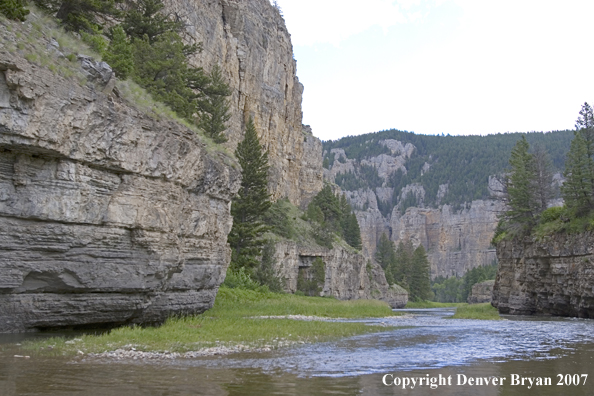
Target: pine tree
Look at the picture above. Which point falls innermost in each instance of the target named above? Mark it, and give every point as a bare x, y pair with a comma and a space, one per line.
214, 107
266, 274
120, 54
585, 124
251, 203
543, 178
521, 197
420, 283
577, 189
402, 264
81, 15
162, 68
330, 206
352, 232
14, 9
146, 18
384, 256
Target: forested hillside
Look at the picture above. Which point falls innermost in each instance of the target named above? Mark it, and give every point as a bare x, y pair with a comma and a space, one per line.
464, 163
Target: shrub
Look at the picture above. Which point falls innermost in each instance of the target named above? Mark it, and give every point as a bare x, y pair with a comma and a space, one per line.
240, 279
14, 9
552, 214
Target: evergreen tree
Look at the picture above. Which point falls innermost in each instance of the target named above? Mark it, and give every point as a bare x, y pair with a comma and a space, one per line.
577, 189
146, 18
384, 256
81, 15
420, 283
120, 54
401, 268
266, 274
330, 206
521, 197
14, 9
251, 203
214, 107
585, 124
352, 232
543, 178
162, 68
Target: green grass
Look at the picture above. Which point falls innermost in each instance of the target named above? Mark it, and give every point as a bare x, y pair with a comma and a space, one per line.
431, 304
232, 321
477, 311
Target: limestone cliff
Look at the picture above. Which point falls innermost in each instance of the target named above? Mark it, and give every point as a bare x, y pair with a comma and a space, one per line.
250, 41
455, 241
348, 274
553, 276
108, 215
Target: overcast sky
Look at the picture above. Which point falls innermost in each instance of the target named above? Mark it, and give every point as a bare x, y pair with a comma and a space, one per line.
431, 66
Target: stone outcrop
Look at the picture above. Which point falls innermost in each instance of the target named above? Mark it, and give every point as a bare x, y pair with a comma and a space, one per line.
108, 215
455, 241
348, 274
250, 41
554, 276
481, 292
396, 296
372, 225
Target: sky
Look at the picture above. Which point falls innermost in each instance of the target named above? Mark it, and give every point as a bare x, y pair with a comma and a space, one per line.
459, 67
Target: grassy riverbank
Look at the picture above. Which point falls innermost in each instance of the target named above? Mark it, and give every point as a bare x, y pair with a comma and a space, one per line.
477, 311
463, 310
235, 319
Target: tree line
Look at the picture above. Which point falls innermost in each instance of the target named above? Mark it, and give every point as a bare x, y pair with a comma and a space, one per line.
140, 41
528, 186
464, 163
405, 266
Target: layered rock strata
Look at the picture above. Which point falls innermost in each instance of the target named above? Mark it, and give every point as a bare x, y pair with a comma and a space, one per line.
250, 42
348, 275
554, 276
107, 215
455, 241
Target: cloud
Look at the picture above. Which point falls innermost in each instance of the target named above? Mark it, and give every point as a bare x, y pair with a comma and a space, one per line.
332, 21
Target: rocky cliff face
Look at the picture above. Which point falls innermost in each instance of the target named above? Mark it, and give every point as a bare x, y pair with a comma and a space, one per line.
250, 41
455, 241
553, 276
348, 275
107, 215
481, 292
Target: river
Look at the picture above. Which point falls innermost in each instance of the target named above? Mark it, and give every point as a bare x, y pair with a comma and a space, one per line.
425, 345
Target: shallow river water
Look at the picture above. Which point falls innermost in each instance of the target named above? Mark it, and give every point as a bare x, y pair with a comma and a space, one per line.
426, 345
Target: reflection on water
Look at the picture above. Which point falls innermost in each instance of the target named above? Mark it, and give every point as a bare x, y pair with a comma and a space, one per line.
425, 344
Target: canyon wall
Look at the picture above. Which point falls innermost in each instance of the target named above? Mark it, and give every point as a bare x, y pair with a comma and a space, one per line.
455, 242
553, 276
108, 215
250, 41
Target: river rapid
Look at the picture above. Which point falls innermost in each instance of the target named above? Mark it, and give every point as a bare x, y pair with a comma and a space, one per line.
463, 354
